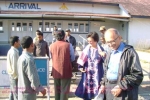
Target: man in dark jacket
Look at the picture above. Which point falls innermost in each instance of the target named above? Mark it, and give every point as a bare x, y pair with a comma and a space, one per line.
70, 38
40, 46
123, 72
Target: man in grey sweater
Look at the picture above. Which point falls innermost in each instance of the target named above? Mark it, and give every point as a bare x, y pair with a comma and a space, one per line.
28, 79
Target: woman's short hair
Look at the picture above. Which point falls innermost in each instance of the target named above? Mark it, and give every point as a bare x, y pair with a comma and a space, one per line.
59, 35
94, 36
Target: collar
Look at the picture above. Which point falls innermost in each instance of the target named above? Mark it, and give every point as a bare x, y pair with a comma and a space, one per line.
12, 47
120, 48
41, 41
28, 53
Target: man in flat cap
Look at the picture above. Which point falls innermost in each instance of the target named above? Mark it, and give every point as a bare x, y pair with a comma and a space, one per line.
62, 55
102, 29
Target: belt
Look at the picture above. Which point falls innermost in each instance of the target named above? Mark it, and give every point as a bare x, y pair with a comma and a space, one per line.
112, 81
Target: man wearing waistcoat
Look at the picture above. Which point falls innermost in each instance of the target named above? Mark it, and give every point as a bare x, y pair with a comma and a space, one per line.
62, 55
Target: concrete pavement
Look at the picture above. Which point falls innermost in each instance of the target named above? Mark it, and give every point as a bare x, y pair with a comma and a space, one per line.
144, 89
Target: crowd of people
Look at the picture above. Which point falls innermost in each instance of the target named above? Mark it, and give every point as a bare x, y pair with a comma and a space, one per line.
111, 70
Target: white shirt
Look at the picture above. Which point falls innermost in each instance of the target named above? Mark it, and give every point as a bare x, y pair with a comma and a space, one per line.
68, 38
12, 58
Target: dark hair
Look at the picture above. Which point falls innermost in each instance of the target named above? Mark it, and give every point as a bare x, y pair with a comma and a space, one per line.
56, 28
26, 42
68, 30
13, 39
40, 33
59, 35
94, 36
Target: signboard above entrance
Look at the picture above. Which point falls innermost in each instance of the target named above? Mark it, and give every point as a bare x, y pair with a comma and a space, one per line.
24, 6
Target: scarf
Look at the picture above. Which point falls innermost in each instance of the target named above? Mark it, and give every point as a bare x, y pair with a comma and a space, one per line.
84, 55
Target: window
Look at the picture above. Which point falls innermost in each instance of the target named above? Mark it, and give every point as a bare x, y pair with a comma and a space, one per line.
47, 28
76, 27
59, 26
86, 27
24, 26
81, 27
1, 26
70, 26
40, 26
21, 26
18, 27
30, 26
13, 26
52, 25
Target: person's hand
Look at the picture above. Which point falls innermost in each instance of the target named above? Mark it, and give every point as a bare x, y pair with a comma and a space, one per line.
102, 89
72, 68
103, 54
43, 92
82, 70
116, 91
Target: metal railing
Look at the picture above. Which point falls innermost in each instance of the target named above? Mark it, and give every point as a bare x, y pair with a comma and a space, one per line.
82, 43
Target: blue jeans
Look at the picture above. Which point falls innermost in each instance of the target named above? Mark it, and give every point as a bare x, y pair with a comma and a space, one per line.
14, 89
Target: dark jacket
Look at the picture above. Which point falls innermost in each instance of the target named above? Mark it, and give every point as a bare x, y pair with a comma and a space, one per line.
130, 73
72, 40
41, 49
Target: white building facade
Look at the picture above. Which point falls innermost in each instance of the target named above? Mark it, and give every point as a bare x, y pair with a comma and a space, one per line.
24, 18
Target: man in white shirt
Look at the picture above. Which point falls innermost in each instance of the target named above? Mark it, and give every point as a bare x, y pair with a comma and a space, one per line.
55, 29
102, 30
12, 57
35, 38
104, 45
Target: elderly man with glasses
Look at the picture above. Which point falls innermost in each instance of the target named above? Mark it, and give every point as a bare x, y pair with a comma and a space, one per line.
123, 72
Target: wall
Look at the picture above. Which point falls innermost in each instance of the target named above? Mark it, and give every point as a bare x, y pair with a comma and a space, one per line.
60, 7
123, 11
93, 26
110, 24
4, 35
123, 29
139, 32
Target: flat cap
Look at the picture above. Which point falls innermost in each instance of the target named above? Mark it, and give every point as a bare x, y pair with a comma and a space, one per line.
102, 28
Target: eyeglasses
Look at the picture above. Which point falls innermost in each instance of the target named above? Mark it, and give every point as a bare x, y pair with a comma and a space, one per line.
113, 41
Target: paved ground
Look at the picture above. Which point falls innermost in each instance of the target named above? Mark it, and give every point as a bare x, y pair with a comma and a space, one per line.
144, 89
